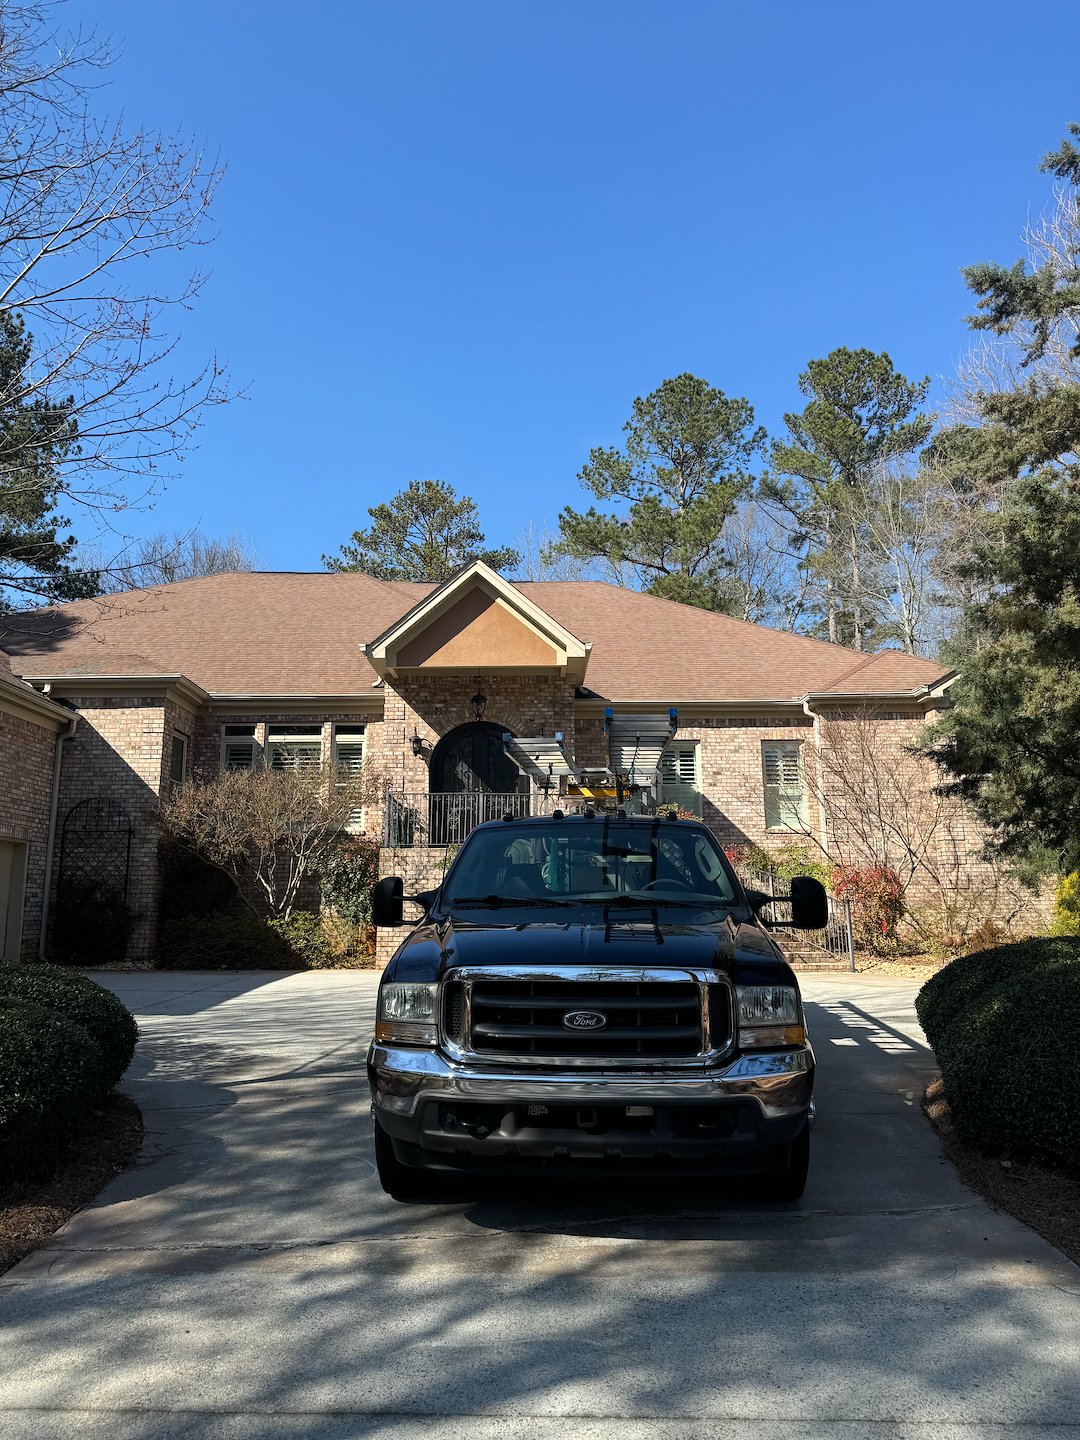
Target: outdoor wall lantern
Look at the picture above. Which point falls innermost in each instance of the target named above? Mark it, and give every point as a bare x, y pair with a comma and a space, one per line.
479, 704
417, 744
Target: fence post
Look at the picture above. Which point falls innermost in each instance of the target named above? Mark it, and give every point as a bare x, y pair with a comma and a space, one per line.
850, 934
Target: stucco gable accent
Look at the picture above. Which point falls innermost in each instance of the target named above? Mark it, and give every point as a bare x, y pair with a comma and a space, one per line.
478, 621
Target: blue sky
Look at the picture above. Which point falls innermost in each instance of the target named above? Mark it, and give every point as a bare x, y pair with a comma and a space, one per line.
456, 238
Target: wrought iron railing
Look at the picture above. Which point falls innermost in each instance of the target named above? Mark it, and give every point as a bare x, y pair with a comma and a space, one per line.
410, 820
830, 948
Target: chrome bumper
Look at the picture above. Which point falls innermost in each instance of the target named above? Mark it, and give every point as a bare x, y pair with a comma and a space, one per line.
402, 1077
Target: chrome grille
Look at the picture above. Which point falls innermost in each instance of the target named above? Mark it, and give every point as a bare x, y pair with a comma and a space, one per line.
648, 1017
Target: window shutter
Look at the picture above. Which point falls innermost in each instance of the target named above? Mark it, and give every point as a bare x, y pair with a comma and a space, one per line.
785, 793
679, 777
349, 754
296, 749
238, 754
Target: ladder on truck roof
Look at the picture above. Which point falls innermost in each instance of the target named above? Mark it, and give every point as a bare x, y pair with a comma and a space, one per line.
635, 745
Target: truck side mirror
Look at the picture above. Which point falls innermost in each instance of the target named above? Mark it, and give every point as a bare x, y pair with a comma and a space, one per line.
387, 907
809, 904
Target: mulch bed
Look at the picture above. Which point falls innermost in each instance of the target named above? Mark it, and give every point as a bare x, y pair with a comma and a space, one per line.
1048, 1202
30, 1214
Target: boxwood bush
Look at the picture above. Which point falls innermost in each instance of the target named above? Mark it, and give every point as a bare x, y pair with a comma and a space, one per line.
50, 1078
1011, 1065
98, 1011
949, 992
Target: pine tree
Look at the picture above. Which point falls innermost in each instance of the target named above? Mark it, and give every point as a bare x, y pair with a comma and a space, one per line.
1009, 742
677, 479
424, 533
862, 413
36, 436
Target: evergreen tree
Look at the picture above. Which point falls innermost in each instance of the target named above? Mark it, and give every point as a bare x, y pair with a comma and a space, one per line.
677, 479
861, 413
1009, 742
424, 533
36, 436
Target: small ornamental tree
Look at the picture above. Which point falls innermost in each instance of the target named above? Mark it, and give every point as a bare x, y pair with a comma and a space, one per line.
877, 900
270, 830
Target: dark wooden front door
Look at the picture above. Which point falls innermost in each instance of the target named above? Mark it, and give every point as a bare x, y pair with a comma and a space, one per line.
472, 759
468, 768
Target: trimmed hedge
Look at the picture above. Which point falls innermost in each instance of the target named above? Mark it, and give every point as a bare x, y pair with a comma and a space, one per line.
50, 1079
1011, 1066
72, 996
948, 993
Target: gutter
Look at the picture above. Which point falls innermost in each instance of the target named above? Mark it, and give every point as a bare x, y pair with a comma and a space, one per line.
50, 843
823, 839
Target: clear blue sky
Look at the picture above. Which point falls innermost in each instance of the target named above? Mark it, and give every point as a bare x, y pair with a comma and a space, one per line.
456, 238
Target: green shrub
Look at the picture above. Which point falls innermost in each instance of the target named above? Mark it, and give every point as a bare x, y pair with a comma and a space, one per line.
98, 1011
1066, 917
1011, 1066
191, 885
50, 1079
946, 994
307, 940
223, 942
91, 926
347, 876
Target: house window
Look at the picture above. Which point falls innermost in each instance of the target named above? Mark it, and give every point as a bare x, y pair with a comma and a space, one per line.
680, 778
785, 789
238, 749
297, 748
178, 759
349, 760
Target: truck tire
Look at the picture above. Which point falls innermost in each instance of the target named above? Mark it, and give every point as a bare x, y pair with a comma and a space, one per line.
788, 1184
401, 1182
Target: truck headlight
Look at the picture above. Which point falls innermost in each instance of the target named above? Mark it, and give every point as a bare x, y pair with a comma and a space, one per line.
770, 1017
407, 1013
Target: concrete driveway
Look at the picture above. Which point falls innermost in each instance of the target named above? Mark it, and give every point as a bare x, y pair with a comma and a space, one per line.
248, 1278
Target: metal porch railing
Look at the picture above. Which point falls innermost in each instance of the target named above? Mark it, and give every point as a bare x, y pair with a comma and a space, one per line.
411, 820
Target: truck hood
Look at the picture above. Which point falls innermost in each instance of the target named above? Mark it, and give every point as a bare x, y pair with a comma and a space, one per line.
597, 938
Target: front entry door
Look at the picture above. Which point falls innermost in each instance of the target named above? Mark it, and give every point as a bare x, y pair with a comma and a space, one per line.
470, 766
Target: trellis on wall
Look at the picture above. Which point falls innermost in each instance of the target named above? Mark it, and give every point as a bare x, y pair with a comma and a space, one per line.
92, 918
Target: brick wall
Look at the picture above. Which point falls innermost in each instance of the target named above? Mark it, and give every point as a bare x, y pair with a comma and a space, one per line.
27, 752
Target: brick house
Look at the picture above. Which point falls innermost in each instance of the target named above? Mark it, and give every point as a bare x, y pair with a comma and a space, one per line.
464, 700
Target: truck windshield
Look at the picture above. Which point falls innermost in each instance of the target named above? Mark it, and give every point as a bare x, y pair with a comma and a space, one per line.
601, 860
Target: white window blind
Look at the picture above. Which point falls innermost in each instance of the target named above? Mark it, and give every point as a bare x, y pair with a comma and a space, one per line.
298, 748
238, 747
680, 780
349, 758
785, 791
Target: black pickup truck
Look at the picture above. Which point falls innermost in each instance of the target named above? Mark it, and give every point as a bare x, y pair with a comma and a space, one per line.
591, 994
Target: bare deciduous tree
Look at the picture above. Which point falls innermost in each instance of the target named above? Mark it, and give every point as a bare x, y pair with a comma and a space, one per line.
267, 828
86, 205
163, 559
883, 807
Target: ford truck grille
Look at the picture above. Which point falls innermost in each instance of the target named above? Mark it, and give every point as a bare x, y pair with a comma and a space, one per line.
624, 1020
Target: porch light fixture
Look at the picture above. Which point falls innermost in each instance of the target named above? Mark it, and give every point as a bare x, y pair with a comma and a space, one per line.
416, 743
479, 704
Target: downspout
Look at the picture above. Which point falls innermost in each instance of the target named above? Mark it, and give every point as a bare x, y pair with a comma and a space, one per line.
823, 839
50, 843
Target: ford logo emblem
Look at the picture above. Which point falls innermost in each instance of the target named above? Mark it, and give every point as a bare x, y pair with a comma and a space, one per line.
584, 1020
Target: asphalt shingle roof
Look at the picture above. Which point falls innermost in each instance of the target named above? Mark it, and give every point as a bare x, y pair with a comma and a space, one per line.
300, 634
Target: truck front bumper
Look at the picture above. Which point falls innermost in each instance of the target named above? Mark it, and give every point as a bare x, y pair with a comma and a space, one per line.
740, 1117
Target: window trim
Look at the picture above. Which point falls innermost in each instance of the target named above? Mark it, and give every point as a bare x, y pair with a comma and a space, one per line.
801, 825
237, 735
694, 746
185, 752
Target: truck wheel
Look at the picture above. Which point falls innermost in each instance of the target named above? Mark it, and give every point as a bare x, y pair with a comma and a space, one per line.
401, 1182
788, 1184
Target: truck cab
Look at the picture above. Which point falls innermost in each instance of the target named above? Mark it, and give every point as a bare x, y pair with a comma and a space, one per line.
591, 994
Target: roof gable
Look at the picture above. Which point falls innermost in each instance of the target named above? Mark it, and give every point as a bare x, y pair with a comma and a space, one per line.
478, 621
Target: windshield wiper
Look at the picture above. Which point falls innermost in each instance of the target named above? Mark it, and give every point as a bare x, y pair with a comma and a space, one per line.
645, 902
495, 901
